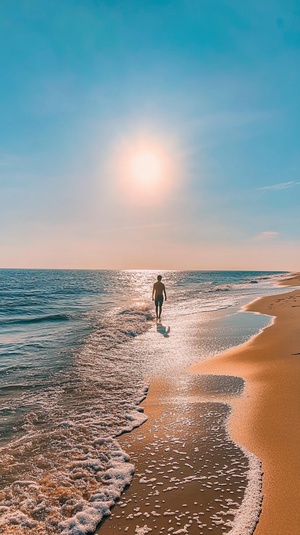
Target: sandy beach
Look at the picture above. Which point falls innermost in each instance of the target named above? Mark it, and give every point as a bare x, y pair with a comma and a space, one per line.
263, 421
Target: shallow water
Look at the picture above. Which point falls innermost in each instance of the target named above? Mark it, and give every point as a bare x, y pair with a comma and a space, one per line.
190, 479
77, 348
190, 476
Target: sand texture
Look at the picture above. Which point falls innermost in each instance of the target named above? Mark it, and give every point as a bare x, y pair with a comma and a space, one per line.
190, 413
265, 419
184, 460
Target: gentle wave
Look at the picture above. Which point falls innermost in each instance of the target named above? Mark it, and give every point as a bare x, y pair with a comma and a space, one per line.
118, 327
65, 479
226, 288
80, 382
37, 319
63, 475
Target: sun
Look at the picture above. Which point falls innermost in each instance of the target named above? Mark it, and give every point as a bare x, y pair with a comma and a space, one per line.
146, 167
145, 171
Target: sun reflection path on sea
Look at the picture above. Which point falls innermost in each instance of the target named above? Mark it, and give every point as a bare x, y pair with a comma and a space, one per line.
141, 282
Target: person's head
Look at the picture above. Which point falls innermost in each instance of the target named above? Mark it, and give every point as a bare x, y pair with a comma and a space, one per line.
159, 277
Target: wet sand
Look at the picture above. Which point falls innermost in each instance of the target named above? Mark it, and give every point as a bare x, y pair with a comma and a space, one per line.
265, 419
191, 477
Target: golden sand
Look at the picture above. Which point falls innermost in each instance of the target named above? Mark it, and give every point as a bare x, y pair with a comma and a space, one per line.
265, 419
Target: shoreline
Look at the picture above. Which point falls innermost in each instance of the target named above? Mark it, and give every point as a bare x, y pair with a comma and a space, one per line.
147, 505
148, 444
264, 419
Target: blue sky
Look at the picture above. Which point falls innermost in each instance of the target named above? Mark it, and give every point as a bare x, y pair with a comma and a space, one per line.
215, 84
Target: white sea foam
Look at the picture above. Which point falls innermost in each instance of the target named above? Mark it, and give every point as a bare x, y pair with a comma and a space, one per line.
142, 530
249, 511
116, 477
70, 387
72, 500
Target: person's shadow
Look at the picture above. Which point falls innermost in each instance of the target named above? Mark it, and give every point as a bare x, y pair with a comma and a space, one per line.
162, 329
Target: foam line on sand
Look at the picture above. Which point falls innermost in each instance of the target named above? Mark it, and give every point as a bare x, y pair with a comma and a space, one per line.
265, 419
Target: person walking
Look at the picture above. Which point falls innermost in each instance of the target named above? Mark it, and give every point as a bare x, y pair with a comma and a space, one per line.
158, 293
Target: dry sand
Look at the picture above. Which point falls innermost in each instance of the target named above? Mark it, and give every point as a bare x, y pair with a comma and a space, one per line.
265, 419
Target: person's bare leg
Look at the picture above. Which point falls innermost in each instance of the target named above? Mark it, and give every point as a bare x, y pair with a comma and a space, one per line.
160, 306
156, 310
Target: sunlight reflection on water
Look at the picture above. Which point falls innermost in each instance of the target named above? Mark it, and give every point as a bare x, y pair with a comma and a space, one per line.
78, 349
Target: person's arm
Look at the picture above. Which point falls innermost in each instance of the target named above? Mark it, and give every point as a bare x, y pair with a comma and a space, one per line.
165, 293
153, 290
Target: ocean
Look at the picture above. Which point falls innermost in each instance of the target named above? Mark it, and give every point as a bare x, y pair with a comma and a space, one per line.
77, 351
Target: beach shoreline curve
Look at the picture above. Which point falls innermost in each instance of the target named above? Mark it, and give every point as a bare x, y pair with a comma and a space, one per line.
264, 418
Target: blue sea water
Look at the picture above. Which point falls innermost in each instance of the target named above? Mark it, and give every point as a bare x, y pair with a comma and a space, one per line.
76, 347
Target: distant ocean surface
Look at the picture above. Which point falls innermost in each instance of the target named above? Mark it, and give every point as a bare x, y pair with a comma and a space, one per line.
76, 347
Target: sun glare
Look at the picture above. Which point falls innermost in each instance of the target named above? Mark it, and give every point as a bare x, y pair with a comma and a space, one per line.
146, 171
146, 167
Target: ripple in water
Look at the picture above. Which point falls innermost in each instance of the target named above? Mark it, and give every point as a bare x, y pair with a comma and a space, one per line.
72, 377
64, 469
